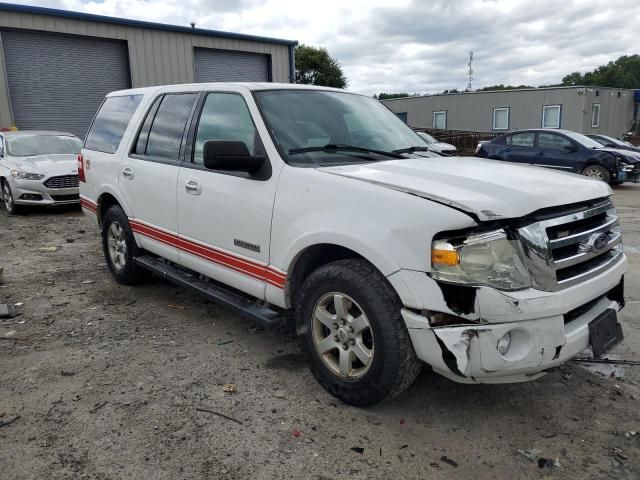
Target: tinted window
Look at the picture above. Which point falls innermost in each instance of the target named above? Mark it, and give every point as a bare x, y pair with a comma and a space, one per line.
31, 145
225, 116
550, 140
169, 124
111, 122
521, 139
143, 137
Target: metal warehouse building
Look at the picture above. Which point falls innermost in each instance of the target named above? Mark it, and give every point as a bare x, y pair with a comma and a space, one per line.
56, 66
608, 111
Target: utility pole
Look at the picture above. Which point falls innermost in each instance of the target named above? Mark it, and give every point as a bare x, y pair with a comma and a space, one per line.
470, 71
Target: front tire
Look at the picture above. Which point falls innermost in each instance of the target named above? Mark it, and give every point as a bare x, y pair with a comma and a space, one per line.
597, 172
119, 247
349, 324
8, 200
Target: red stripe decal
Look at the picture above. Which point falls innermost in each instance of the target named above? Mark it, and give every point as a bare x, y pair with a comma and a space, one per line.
88, 204
265, 273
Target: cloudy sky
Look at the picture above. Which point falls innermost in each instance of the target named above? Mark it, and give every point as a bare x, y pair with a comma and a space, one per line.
413, 45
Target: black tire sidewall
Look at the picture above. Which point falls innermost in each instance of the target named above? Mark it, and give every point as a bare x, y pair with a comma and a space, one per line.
382, 308
130, 274
15, 208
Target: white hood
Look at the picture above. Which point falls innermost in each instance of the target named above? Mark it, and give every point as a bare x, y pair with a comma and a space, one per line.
489, 189
67, 164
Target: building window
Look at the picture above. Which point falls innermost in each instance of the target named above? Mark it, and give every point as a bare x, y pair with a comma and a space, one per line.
501, 118
551, 116
440, 120
595, 115
402, 116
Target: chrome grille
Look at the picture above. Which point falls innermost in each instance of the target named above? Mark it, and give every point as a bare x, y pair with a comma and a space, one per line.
571, 248
63, 181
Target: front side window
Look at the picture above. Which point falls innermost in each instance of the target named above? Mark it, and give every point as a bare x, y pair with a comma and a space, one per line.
111, 122
501, 118
313, 119
553, 141
225, 116
440, 120
551, 116
524, 139
32, 145
595, 115
169, 125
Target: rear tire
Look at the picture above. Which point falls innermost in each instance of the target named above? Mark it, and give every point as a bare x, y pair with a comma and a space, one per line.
8, 200
349, 325
120, 249
597, 172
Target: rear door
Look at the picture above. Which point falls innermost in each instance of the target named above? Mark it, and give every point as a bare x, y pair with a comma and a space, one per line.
149, 172
518, 147
556, 151
225, 217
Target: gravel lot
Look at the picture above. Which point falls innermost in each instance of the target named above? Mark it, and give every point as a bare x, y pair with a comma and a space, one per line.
107, 382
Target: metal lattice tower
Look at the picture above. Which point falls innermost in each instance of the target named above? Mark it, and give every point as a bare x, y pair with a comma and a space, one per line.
470, 70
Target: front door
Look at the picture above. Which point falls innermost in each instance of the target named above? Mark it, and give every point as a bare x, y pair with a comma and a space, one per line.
225, 217
555, 151
149, 173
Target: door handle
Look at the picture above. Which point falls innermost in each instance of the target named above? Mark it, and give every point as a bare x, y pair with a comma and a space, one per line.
540, 154
506, 150
127, 172
193, 187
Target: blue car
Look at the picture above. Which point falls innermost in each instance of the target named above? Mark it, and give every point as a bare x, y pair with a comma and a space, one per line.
611, 142
564, 150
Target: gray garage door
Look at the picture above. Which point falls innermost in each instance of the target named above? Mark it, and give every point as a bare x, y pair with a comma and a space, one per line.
57, 82
230, 66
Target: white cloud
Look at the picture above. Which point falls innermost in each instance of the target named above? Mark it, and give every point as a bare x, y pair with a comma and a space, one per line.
417, 46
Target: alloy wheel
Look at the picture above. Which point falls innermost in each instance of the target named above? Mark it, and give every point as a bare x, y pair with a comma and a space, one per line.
117, 245
342, 335
7, 197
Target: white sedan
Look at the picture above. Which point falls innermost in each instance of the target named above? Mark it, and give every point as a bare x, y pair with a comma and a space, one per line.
437, 146
38, 167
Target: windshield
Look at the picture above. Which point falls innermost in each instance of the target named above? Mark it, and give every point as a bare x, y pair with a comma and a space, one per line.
427, 138
583, 140
308, 119
31, 145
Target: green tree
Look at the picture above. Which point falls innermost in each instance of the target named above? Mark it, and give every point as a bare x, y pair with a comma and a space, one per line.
387, 96
314, 66
621, 73
503, 87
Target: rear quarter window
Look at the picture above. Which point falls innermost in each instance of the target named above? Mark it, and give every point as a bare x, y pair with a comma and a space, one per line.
111, 122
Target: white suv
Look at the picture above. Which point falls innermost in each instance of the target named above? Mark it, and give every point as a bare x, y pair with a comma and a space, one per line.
283, 198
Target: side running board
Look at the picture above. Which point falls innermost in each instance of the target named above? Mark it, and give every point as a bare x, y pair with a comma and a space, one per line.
247, 307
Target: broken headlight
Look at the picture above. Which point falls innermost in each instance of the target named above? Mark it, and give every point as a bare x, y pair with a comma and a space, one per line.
488, 258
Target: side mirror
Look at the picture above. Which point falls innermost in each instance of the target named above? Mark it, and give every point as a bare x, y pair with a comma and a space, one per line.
571, 148
231, 157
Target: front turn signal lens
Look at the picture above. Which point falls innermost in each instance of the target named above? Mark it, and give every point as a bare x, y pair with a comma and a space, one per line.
443, 253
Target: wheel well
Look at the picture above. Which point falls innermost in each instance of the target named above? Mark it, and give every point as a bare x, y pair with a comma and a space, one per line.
312, 258
105, 202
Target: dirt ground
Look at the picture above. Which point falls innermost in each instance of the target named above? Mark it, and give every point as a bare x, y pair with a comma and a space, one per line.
107, 382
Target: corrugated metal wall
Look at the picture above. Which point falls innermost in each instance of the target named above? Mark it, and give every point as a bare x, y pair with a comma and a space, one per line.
58, 81
225, 66
156, 57
474, 111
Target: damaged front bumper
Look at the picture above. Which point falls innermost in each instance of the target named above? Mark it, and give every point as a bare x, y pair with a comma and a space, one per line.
546, 328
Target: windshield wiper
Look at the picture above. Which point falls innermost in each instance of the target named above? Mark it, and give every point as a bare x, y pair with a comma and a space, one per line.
345, 148
413, 149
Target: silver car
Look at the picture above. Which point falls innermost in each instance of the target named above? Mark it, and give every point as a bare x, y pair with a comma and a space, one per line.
38, 167
439, 147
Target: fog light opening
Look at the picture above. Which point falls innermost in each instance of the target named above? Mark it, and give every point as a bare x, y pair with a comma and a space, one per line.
504, 343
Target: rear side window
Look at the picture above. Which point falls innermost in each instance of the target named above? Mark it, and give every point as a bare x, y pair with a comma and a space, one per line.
521, 139
169, 125
111, 122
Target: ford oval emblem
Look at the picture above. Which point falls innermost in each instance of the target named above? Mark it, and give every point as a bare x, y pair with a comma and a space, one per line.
596, 243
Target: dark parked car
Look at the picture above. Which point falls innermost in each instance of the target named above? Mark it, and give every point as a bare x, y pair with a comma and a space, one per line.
607, 141
563, 150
